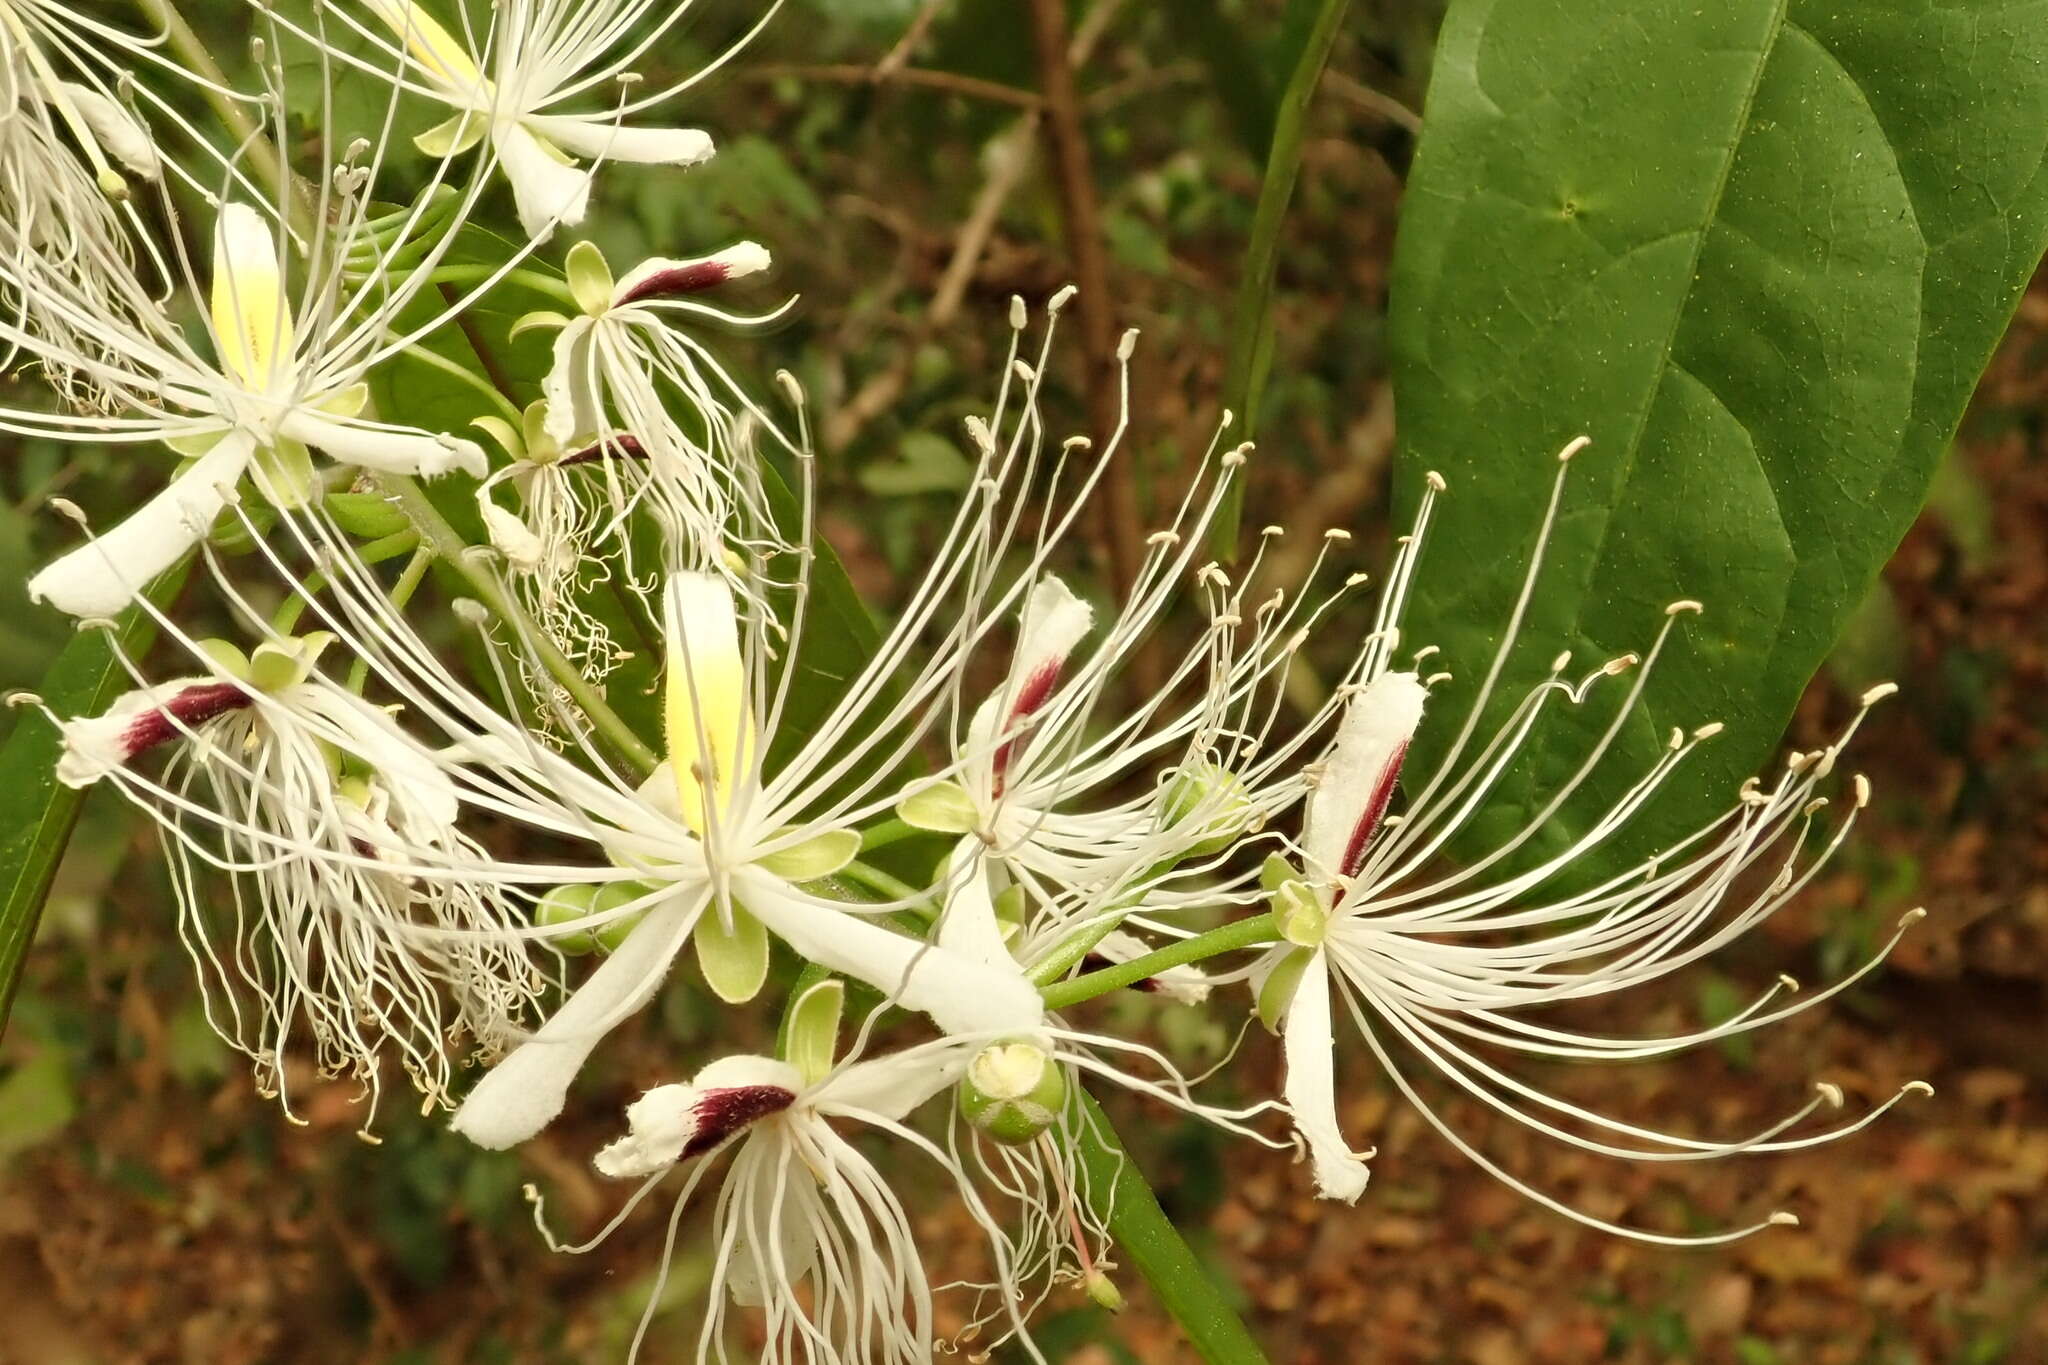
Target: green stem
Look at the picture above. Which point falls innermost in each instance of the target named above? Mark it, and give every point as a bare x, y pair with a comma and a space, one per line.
214, 86
888, 832
401, 593
886, 886
532, 279
1149, 1241
285, 619
420, 509
1244, 933
1251, 332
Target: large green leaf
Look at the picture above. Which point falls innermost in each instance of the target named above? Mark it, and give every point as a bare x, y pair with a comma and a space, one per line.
37, 812
1760, 253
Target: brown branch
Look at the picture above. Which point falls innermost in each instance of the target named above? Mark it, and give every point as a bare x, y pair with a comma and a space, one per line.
1359, 94
1066, 143
851, 73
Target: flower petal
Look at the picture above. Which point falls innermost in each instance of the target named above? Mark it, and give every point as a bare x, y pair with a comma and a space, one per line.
546, 190
139, 721
598, 137
960, 994
672, 1123
570, 387
523, 1093
387, 449
252, 316
896, 1083
124, 139
705, 711
968, 925
103, 576
1311, 1087
1351, 798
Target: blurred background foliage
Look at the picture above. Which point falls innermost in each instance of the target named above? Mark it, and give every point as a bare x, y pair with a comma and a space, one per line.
152, 1208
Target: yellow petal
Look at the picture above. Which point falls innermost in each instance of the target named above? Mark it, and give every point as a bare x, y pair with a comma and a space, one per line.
251, 317
705, 711
431, 45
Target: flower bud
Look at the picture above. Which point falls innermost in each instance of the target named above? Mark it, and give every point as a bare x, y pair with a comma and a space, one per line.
611, 896
1212, 802
1013, 1092
1102, 1291
1299, 914
560, 906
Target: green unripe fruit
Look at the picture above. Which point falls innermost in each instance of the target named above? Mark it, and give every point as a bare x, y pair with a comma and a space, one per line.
1013, 1092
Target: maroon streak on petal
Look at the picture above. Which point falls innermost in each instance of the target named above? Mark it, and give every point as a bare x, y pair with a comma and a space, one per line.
694, 278
619, 447
1030, 696
723, 1112
187, 710
1369, 818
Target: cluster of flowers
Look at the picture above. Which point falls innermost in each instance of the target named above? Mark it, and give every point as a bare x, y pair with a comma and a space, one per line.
420, 856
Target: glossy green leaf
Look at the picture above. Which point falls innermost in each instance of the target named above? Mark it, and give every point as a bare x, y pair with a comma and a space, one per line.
37, 812
1759, 252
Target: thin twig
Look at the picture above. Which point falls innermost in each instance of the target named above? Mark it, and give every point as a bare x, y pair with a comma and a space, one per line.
913, 34
1067, 144
848, 73
1356, 92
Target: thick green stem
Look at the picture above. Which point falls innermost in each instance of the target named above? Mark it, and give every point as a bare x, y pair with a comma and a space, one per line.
1147, 1239
1251, 332
420, 509
888, 832
1244, 933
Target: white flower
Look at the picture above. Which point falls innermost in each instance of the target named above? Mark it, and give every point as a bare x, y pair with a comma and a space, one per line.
316, 803
284, 377
541, 58
1447, 960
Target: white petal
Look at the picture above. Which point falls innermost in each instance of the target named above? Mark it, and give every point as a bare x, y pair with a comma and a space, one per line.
895, 1083
570, 386
750, 1269
390, 450
523, 1093
1054, 622
252, 316
96, 745
1371, 740
124, 139
960, 994
423, 798
520, 546
664, 1123
968, 924
1311, 1087
103, 576
545, 191
600, 137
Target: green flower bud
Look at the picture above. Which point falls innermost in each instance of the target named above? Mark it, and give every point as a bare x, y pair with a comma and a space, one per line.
1102, 1291
610, 897
366, 516
1213, 802
1013, 1092
560, 906
1300, 915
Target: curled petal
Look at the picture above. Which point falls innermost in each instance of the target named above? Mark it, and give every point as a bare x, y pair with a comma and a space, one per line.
672, 1123
523, 1093
389, 450
124, 139
545, 189
103, 576
601, 138
1311, 1087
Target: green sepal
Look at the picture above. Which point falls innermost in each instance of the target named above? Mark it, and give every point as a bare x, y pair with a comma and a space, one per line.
454, 136
590, 278
1276, 992
226, 657
1275, 873
942, 808
1300, 915
734, 961
810, 1038
818, 856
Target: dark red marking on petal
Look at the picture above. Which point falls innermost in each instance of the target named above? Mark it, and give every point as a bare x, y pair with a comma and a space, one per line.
1030, 696
188, 710
1369, 819
619, 447
723, 1112
694, 278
